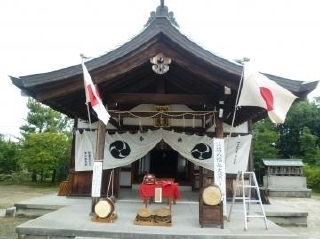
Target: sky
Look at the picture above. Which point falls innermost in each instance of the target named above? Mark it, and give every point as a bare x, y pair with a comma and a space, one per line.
279, 36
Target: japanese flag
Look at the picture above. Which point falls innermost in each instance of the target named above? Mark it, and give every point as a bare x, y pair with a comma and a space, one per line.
258, 90
93, 97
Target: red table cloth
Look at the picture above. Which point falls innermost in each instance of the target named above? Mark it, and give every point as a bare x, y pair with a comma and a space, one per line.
169, 189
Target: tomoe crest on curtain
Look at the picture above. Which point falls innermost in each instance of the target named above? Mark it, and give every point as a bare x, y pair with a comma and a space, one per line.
119, 149
201, 151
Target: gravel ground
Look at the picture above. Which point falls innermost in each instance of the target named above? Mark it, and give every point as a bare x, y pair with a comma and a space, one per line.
310, 205
8, 225
11, 194
16, 193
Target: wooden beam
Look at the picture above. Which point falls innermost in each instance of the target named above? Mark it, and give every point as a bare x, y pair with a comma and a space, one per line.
160, 99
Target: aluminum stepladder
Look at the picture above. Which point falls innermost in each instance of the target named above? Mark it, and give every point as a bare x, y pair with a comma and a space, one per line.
246, 197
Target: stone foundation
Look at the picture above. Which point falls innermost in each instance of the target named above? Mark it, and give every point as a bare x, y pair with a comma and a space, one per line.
286, 186
294, 192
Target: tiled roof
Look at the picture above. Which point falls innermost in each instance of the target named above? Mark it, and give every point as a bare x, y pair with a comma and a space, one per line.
283, 162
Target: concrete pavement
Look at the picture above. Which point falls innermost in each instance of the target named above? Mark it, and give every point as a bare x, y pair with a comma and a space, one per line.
70, 218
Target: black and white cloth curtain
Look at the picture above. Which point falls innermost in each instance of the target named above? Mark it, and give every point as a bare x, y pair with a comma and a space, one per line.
124, 148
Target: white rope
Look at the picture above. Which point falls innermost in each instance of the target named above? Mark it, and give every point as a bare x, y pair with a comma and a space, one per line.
162, 113
110, 179
112, 182
184, 122
193, 122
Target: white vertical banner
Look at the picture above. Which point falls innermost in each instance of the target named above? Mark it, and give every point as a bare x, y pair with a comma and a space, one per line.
96, 179
84, 148
220, 169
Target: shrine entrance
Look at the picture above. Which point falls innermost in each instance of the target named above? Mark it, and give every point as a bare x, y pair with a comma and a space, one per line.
164, 163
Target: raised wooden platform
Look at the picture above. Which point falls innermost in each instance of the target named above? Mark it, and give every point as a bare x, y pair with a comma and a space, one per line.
111, 219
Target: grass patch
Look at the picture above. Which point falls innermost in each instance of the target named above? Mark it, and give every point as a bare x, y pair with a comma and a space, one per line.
31, 184
316, 192
14, 193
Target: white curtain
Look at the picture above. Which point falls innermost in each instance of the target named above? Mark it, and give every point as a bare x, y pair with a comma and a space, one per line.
123, 149
197, 149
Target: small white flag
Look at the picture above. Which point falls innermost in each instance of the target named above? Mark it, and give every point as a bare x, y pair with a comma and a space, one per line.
93, 97
258, 90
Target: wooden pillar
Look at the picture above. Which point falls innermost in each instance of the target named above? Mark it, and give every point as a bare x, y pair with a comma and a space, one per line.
72, 158
99, 154
219, 128
73, 146
101, 136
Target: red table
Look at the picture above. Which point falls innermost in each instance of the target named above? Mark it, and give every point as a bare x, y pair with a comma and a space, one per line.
170, 190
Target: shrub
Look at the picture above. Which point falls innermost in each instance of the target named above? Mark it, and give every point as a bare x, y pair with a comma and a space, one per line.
313, 176
15, 177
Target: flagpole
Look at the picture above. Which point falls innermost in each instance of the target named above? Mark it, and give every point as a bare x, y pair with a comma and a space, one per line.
236, 103
88, 109
103, 116
242, 61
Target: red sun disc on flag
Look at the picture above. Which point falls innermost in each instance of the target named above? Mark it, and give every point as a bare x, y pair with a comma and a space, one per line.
268, 97
93, 99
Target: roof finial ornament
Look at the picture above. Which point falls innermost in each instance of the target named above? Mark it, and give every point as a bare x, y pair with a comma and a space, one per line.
162, 3
162, 11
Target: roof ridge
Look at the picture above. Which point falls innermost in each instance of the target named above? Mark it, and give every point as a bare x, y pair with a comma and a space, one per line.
162, 11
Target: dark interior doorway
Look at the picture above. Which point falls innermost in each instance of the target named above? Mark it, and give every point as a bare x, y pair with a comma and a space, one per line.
164, 163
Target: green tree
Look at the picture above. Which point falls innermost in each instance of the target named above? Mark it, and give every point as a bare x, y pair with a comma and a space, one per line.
298, 137
46, 154
264, 144
45, 147
302, 114
9, 161
41, 119
309, 149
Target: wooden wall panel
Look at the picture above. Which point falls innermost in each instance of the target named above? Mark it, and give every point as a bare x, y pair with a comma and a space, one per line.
80, 183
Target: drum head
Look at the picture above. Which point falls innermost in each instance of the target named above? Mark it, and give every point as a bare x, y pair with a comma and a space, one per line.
104, 208
162, 215
211, 195
145, 212
163, 212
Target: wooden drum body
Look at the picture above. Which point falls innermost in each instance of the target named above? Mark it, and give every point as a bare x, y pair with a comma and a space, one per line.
211, 206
